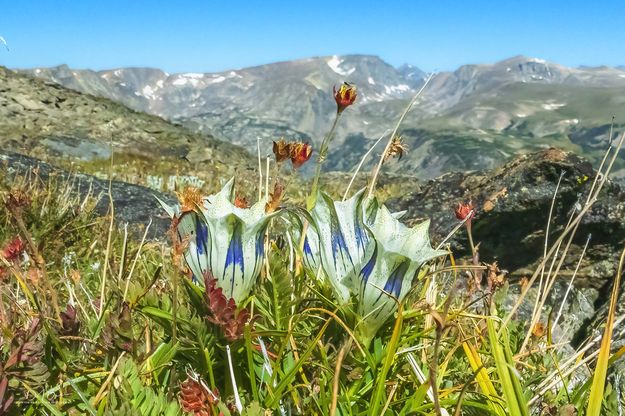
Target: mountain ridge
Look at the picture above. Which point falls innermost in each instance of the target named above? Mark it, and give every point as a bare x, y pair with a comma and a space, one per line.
43, 119
471, 118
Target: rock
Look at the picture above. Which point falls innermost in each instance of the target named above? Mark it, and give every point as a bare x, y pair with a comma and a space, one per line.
134, 204
513, 204
28, 104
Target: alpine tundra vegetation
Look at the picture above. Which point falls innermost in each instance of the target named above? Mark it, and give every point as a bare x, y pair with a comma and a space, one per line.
318, 298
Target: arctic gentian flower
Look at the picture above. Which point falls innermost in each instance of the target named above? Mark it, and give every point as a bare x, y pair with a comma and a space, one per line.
394, 257
367, 255
336, 239
224, 239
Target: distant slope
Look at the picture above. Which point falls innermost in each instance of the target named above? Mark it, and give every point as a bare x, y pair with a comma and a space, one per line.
43, 119
472, 118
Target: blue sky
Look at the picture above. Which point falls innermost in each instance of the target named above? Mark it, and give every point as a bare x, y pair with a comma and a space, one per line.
206, 36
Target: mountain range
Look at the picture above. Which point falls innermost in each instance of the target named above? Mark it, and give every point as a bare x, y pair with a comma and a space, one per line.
475, 117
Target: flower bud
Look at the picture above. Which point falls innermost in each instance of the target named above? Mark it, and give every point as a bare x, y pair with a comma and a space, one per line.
344, 96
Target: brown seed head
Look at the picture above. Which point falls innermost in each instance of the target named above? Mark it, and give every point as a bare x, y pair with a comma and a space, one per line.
397, 149
281, 150
190, 198
17, 198
299, 153
275, 198
539, 330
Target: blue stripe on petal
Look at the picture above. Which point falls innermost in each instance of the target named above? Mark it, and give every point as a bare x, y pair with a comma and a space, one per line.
395, 280
235, 254
366, 271
260, 244
338, 241
201, 238
307, 249
361, 236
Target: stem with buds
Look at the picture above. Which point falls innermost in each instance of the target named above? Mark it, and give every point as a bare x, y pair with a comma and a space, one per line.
376, 172
323, 152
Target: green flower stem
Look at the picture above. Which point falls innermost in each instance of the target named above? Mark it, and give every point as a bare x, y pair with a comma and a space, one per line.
323, 152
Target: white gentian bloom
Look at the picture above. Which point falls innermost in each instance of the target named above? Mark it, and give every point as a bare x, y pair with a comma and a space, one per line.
394, 257
367, 255
336, 239
224, 240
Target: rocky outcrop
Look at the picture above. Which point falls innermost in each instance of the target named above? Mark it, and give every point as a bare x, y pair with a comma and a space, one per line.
513, 204
47, 121
134, 204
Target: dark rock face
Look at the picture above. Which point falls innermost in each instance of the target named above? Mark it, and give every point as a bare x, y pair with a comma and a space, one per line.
513, 204
134, 204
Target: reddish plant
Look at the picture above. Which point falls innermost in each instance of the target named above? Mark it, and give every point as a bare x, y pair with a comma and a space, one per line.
224, 311
69, 321
196, 398
300, 153
13, 249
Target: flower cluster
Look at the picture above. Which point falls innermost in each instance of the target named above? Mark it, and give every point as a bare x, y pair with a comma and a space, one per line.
369, 258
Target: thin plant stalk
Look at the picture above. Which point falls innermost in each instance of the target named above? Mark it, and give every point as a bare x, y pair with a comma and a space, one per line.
109, 238
260, 170
337, 373
362, 161
376, 172
546, 245
323, 153
237, 399
570, 285
136, 259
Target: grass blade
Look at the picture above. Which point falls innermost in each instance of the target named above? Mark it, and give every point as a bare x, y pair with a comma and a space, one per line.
601, 369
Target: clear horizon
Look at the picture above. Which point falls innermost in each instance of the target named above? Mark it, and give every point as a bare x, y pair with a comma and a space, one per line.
194, 36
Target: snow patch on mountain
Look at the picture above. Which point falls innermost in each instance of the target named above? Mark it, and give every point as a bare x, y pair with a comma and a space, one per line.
393, 89
553, 106
335, 64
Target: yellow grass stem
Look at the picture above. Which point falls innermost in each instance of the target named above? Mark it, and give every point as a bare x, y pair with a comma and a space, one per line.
601, 369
